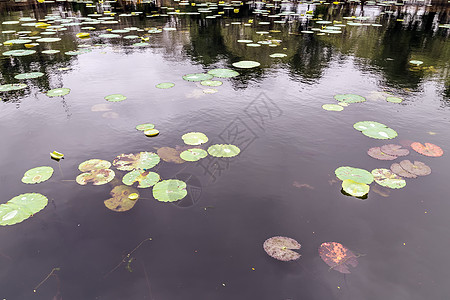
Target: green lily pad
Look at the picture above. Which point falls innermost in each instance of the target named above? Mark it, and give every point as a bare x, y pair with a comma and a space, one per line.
48, 40
278, 55
165, 85
144, 178
19, 52
349, 98
193, 154
109, 35
211, 83
120, 200
29, 75
380, 133
142, 161
151, 132
332, 107
58, 92
51, 51
169, 190
37, 175
96, 177
12, 87
354, 188
355, 174
21, 208
223, 73
56, 155
394, 99
385, 177
17, 42
94, 164
223, 150
144, 127
364, 125
194, 138
246, 64
197, 77
416, 62
115, 98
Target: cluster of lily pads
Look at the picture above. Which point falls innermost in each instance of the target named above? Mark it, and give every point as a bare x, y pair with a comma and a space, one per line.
345, 100
335, 255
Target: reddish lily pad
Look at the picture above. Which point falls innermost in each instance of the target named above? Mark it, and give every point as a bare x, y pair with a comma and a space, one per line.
337, 256
169, 154
428, 149
397, 169
393, 149
417, 168
376, 152
280, 247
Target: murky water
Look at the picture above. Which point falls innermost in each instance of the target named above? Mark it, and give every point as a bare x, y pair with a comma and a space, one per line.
209, 245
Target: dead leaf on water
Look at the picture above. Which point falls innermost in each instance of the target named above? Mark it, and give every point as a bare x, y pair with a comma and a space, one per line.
120, 200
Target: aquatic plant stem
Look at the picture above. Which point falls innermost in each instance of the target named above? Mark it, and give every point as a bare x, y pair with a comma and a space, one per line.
45, 279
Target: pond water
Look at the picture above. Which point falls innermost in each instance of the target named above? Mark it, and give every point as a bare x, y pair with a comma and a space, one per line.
209, 245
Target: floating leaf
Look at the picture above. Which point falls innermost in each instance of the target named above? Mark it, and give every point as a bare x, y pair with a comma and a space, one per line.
428, 149
349, 98
21, 208
165, 85
58, 92
385, 177
29, 75
144, 178
380, 133
280, 247
393, 149
364, 125
416, 62
48, 40
12, 87
223, 73
19, 52
355, 174
37, 175
246, 64
376, 152
94, 164
354, 188
332, 107
211, 83
169, 154
56, 155
151, 132
223, 150
120, 200
417, 168
337, 256
142, 160
96, 177
197, 77
169, 190
193, 154
194, 138
397, 169
144, 127
394, 99
115, 98
278, 55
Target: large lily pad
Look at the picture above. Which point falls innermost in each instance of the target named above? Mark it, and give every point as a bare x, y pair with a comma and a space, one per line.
223, 150
354, 188
397, 169
223, 73
142, 160
12, 87
197, 77
37, 175
169, 190
21, 208
58, 92
280, 247
96, 177
19, 52
171, 155
144, 179
349, 98
246, 64
428, 149
417, 168
337, 256
376, 152
380, 133
193, 154
120, 200
30, 75
393, 149
194, 138
94, 164
385, 177
355, 174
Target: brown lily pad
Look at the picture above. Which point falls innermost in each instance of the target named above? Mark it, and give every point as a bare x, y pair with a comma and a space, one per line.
397, 169
121, 200
395, 150
96, 177
279, 247
376, 152
337, 256
428, 149
417, 168
171, 155
94, 164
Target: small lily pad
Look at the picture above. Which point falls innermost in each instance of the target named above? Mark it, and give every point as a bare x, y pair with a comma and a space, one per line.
211, 82
223, 150
144, 127
394, 99
380, 133
120, 200
142, 161
385, 177
96, 177
376, 152
223, 73
56, 155
337, 256
12, 87
144, 178
194, 138
165, 85
393, 149
151, 132
193, 154
278, 55
29, 75
197, 77
58, 92
349, 98
355, 174
365, 125
280, 247
94, 164
417, 168
354, 188
21, 208
37, 175
115, 98
332, 107
428, 149
397, 169
19, 52
246, 64
169, 190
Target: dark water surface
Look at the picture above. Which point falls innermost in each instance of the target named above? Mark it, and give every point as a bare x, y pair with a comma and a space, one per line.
209, 245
